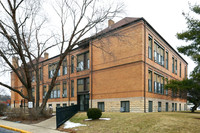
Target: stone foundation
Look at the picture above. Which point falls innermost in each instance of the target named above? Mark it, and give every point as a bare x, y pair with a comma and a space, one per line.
54, 104
136, 104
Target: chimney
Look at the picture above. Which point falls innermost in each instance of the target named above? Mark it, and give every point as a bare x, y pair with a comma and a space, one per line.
46, 56
110, 22
15, 62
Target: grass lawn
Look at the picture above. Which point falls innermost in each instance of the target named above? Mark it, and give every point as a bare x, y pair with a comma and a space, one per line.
162, 122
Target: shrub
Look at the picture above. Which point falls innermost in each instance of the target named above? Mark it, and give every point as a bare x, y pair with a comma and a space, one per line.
34, 114
16, 113
28, 114
47, 113
3, 108
94, 113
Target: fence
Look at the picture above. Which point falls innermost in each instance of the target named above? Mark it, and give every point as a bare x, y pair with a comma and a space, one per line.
65, 113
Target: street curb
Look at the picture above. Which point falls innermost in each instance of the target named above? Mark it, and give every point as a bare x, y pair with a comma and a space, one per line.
14, 129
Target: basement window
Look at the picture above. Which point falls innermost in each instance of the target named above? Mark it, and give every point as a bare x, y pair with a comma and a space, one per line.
125, 106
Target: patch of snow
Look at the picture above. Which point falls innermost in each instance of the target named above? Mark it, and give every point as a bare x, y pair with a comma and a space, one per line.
88, 119
107, 119
3, 117
70, 124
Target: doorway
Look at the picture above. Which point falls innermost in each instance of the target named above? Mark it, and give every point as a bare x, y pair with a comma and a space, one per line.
83, 102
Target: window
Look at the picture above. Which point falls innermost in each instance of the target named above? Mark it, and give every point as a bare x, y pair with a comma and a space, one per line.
125, 106
64, 89
80, 85
166, 107
80, 62
64, 104
179, 107
32, 76
57, 105
166, 91
155, 52
162, 85
159, 107
158, 84
175, 106
166, 56
83, 61
44, 90
41, 73
158, 53
55, 93
150, 47
33, 93
52, 69
64, 67
83, 84
155, 82
101, 106
72, 88
175, 66
162, 57
150, 81
180, 71
172, 106
172, 64
150, 106
72, 64
50, 106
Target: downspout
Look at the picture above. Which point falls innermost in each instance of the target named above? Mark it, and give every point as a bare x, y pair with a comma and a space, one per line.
69, 81
91, 69
42, 67
144, 67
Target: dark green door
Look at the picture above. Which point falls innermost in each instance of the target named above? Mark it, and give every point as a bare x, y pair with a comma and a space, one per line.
166, 107
150, 106
83, 102
159, 107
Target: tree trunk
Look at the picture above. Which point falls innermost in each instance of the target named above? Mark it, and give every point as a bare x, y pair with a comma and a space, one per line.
37, 88
194, 108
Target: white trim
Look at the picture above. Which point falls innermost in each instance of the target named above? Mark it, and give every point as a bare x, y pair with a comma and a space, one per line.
159, 44
159, 74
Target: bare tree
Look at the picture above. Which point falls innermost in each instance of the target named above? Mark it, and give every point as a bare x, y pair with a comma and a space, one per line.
2, 91
20, 33
20, 27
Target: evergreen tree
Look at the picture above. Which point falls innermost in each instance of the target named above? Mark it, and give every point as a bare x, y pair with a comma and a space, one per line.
192, 35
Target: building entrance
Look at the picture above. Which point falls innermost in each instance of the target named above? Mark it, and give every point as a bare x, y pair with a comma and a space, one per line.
83, 102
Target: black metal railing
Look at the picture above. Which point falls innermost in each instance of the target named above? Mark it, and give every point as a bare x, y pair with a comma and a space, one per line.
65, 113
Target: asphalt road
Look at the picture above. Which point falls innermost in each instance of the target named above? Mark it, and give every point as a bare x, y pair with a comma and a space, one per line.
3, 130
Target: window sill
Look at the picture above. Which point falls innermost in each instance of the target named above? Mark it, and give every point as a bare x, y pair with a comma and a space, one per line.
159, 93
83, 70
54, 98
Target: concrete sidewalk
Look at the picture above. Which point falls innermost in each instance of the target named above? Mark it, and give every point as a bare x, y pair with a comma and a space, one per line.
47, 126
49, 123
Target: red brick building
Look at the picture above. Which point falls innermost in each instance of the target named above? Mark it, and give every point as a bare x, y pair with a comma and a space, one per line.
123, 68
